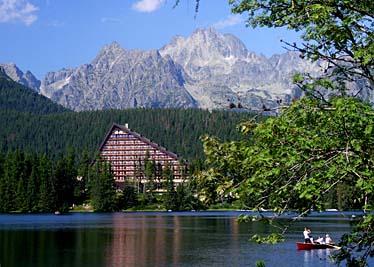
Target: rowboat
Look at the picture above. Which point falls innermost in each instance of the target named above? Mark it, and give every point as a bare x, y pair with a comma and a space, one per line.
307, 246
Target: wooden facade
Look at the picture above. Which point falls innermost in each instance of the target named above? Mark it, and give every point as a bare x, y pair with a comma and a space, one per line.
127, 151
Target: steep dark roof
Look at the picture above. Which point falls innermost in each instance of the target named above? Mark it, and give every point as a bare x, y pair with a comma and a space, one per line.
139, 136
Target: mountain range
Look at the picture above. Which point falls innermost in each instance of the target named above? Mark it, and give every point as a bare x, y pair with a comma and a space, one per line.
204, 70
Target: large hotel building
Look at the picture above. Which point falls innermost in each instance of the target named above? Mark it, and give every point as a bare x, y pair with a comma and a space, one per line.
127, 151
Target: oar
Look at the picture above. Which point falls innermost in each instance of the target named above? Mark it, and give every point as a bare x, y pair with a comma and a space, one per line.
333, 246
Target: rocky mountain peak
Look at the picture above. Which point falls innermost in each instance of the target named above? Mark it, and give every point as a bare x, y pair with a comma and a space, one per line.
27, 79
205, 45
113, 47
120, 78
12, 71
205, 35
108, 54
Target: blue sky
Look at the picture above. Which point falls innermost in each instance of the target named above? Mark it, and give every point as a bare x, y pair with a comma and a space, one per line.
47, 35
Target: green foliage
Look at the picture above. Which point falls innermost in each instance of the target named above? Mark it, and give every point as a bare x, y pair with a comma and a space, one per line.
339, 32
357, 246
13, 170
47, 190
33, 190
26, 183
54, 134
65, 179
128, 199
247, 218
299, 156
147, 202
170, 196
273, 238
14, 96
81, 185
102, 188
294, 161
179, 198
150, 176
320, 146
34, 183
185, 201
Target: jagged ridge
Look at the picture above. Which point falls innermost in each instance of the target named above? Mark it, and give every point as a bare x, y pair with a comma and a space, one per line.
206, 70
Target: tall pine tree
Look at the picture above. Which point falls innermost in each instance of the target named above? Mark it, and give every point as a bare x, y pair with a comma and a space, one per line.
102, 187
47, 197
65, 178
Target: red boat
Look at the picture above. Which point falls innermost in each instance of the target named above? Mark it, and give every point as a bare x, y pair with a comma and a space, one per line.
307, 246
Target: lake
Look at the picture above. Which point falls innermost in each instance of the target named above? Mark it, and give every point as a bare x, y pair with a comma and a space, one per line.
145, 239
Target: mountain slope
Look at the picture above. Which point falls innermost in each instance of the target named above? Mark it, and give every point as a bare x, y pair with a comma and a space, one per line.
222, 63
205, 70
27, 79
176, 129
14, 96
119, 78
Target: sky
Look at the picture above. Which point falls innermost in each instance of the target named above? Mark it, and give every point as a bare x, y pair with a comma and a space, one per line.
48, 35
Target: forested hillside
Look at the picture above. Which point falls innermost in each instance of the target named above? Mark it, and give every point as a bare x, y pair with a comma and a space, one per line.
44, 147
55, 134
14, 96
33, 123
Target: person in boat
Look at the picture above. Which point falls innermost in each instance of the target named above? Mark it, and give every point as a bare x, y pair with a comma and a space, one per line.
319, 240
308, 238
328, 240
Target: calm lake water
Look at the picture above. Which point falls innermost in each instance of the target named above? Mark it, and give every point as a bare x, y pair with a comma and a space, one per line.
156, 239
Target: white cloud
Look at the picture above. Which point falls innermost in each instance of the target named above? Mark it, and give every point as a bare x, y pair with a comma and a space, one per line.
147, 5
231, 20
13, 10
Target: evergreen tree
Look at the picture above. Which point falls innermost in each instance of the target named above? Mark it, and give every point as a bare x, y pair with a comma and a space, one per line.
158, 175
128, 197
32, 198
47, 197
177, 129
65, 178
149, 175
2, 180
184, 198
21, 195
14, 96
13, 172
138, 173
170, 196
102, 187
80, 191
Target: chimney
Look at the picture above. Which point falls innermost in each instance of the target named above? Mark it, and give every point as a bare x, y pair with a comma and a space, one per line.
126, 125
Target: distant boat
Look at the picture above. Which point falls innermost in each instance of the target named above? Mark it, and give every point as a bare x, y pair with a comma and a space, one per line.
308, 246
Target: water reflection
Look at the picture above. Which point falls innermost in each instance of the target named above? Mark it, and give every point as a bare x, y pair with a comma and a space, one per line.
320, 255
51, 248
164, 240
153, 239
